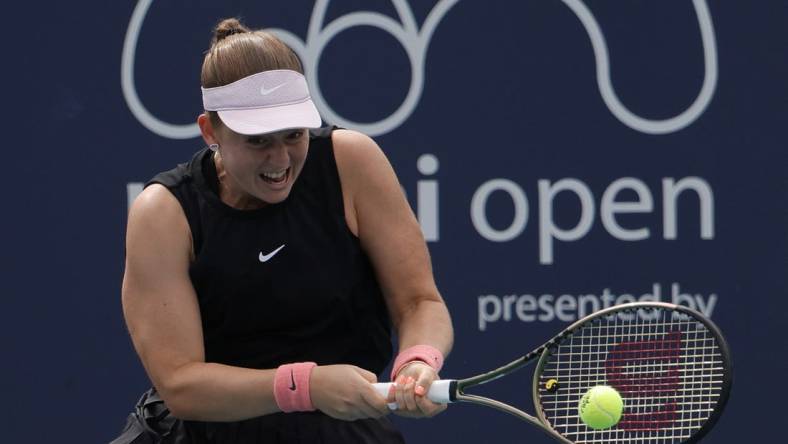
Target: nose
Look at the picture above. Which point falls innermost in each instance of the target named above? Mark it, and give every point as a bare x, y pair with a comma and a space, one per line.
278, 154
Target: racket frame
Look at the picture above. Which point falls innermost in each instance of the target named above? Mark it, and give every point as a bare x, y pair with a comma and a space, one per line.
543, 352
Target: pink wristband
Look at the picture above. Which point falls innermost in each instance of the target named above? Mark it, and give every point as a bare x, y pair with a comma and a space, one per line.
291, 387
426, 353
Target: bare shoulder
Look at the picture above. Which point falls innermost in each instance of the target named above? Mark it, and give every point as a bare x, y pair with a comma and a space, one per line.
353, 146
152, 200
157, 214
359, 158
156, 204
351, 139
365, 174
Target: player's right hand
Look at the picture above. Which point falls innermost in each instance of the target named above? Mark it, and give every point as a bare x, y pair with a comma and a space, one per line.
346, 392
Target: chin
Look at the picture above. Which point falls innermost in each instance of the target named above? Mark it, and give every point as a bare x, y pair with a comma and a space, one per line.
274, 197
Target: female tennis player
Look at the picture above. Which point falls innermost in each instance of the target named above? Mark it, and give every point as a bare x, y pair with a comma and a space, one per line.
263, 277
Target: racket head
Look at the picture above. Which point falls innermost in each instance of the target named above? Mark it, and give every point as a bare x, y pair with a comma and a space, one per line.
671, 365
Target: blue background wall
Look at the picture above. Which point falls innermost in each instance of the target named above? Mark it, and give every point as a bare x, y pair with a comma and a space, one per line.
502, 94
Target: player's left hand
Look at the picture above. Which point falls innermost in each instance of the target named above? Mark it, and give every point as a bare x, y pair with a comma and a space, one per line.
412, 384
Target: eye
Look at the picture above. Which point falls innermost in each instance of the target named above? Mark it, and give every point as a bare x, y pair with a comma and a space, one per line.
258, 141
295, 135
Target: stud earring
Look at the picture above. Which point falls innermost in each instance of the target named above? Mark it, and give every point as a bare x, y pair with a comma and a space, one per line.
213, 147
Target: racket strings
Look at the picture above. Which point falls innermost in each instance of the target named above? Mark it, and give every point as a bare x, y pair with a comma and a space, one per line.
667, 366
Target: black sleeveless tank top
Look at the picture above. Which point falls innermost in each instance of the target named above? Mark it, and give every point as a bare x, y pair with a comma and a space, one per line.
287, 282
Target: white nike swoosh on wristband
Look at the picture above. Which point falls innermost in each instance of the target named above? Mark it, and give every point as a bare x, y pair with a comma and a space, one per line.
266, 257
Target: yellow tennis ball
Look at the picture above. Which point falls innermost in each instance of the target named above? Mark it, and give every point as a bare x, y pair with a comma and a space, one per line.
601, 407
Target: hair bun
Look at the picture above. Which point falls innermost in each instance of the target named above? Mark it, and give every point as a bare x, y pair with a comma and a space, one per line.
228, 27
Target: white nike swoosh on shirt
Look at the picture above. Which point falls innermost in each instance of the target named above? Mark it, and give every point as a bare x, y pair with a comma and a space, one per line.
265, 92
266, 257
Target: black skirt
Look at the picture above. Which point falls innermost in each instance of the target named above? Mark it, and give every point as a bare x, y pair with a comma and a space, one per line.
151, 423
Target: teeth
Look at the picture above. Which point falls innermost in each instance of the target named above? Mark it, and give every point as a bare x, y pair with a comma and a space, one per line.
275, 176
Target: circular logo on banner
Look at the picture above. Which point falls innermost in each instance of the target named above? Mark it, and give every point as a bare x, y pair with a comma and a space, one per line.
415, 41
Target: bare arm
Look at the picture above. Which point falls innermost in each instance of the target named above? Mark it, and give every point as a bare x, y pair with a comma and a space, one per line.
378, 212
163, 318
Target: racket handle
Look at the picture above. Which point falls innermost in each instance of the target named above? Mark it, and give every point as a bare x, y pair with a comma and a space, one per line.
440, 391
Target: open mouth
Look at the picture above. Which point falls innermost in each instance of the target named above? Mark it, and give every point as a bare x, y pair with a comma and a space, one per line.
277, 177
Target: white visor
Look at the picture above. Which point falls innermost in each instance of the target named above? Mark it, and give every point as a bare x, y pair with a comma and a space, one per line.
264, 102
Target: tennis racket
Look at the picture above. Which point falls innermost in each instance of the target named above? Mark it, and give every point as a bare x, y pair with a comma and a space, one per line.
670, 364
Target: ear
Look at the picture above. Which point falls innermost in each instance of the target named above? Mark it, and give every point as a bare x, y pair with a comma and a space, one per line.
207, 129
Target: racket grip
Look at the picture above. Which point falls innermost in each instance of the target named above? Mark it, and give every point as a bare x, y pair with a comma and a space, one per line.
440, 391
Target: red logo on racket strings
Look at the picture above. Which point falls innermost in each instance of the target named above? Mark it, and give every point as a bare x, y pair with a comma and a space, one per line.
662, 417
647, 369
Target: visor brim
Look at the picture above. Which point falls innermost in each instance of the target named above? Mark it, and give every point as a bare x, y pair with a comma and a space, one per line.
270, 119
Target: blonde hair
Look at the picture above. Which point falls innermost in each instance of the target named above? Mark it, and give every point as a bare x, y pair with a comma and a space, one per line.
237, 52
